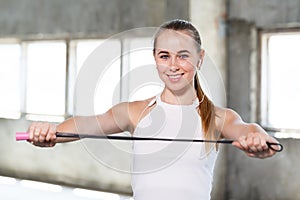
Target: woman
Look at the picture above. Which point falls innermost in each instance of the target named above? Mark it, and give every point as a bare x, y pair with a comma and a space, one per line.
181, 110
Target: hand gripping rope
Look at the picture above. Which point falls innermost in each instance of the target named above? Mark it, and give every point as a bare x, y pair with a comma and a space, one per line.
25, 136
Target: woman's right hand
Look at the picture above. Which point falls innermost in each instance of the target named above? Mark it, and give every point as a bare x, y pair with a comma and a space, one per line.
42, 134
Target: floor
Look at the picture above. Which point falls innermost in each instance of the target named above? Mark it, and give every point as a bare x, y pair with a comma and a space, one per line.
15, 189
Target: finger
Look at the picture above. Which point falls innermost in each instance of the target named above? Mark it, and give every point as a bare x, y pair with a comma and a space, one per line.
51, 133
251, 154
44, 132
44, 144
36, 134
250, 144
264, 145
257, 144
31, 130
262, 154
243, 143
265, 154
237, 144
36, 143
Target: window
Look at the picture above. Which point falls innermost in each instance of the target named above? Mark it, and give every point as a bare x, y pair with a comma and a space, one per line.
10, 58
38, 77
143, 79
46, 78
280, 81
108, 81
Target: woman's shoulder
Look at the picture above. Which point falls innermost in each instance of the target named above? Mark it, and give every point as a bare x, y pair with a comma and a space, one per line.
225, 116
141, 105
132, 108
221, 111
225, 112
134, 105
139, 109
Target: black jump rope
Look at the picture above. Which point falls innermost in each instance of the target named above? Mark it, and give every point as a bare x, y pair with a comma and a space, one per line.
25, 136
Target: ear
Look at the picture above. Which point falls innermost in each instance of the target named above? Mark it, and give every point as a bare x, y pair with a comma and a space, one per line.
153, 54
201, 57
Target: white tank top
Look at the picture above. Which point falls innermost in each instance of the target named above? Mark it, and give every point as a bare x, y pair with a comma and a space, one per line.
171, 170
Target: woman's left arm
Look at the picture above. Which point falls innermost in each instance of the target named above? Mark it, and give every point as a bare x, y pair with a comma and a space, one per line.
249, 137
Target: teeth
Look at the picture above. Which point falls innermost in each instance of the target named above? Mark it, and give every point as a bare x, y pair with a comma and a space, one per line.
175, 76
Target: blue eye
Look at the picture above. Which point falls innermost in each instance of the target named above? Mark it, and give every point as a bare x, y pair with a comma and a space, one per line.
164, 56
183, 56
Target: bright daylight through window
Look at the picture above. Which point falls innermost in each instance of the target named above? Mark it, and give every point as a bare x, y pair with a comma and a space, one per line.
280, 95
10, 80
46, 78
36, 80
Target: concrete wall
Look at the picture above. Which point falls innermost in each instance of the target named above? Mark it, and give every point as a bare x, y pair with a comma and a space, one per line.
275, 178
85, 17
72, 163
265, 13
254, 179
210, 19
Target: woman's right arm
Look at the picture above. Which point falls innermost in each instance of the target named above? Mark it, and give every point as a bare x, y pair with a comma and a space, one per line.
115, 120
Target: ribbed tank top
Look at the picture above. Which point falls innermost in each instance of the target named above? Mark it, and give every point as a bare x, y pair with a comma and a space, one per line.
171, 170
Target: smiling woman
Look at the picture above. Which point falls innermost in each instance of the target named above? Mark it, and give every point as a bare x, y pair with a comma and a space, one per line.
175, 65
168, 169
177, 45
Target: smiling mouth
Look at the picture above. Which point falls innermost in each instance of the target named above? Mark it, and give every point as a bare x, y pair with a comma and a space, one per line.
175, 77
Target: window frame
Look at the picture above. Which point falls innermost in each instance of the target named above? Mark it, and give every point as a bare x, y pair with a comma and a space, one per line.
69, 76
261, 111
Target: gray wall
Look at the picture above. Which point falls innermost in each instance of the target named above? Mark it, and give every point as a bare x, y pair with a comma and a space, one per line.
265, 13
101, 17
275, 178
254, 179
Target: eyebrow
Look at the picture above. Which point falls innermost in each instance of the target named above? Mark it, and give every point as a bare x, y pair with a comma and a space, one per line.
179, 52
184, 51
163, 52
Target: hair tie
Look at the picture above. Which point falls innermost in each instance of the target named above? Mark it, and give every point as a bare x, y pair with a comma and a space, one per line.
202, 98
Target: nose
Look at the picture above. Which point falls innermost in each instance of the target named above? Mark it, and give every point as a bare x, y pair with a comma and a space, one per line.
174, 68
174, 65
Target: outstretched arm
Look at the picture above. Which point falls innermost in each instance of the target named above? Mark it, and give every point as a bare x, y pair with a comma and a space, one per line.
115, 120
249, 137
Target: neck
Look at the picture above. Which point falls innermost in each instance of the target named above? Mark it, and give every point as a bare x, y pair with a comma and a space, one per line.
186, 97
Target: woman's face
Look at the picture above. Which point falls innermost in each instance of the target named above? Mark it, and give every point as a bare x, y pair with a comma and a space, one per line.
177, 59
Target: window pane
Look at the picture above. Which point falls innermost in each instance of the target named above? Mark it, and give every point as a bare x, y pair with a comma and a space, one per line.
84, 49
46, 77
141, 56
283, 81
141, 53
9, 80
107, 83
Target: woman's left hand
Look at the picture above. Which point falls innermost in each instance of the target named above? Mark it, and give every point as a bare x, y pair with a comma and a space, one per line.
254, 144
